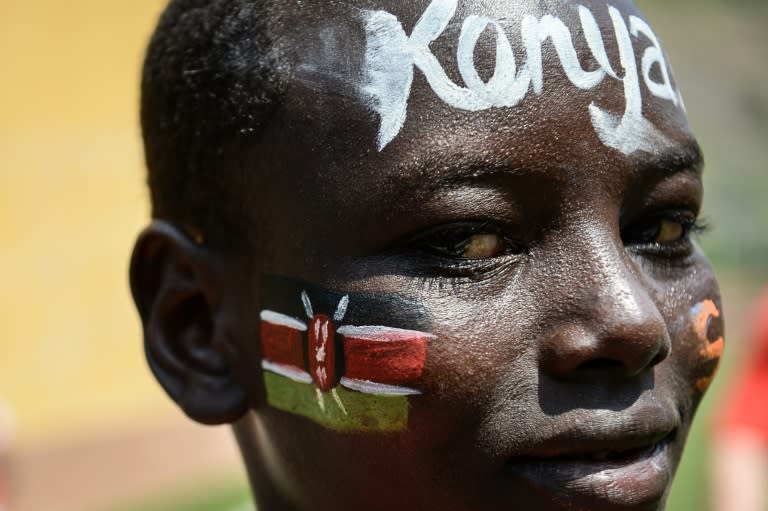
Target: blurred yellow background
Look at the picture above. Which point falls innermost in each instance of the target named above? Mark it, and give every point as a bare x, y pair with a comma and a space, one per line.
71, 193
91, 424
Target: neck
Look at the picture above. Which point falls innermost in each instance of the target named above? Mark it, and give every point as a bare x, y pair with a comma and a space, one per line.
265, 492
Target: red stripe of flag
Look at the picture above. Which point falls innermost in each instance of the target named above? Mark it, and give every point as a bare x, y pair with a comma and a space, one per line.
391, 356
281, 339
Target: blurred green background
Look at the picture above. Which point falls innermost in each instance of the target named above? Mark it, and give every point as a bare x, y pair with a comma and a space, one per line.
90, 421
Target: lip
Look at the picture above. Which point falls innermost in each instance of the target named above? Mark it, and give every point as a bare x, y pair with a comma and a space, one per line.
615, 471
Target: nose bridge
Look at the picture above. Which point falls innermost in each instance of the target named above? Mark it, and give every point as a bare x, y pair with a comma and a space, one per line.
610, 322
616, 291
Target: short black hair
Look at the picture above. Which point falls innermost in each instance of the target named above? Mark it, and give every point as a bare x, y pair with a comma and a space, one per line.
209, 88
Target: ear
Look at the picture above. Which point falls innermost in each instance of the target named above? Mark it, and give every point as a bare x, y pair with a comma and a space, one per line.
176, 290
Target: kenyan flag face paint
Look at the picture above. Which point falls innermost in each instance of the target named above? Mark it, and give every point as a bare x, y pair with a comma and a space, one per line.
346, 377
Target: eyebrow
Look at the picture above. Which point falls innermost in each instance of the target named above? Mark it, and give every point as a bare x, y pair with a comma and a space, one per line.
686, 156
447, 170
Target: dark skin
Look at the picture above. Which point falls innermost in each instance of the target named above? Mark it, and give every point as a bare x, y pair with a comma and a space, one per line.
556, 273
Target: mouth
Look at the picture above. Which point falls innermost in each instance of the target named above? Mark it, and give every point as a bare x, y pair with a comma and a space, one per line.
628, 473
621, 453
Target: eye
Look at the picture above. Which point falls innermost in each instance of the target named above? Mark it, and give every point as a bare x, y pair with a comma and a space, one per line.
669, 231
667, 235
659, 230
467, 242
484, 246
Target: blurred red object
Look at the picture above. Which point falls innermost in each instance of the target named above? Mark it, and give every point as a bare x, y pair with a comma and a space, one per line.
740, 448
747, 408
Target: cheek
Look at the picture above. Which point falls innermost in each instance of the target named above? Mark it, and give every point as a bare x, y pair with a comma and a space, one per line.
333, 357
701, 342
707, 328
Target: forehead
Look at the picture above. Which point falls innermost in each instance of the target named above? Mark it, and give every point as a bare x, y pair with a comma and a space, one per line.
379, 89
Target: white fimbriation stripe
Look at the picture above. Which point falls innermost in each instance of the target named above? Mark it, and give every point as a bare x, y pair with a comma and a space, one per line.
287, 371
381, 389
276, 318
373, 333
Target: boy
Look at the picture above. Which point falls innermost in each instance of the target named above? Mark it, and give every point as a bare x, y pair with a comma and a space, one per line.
427, 255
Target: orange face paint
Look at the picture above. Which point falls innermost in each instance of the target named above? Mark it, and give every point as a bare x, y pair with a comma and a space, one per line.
712, 349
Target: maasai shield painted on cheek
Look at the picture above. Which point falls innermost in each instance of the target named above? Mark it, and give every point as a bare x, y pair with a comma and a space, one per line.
391, 56
344, 377
706, 319
322, 355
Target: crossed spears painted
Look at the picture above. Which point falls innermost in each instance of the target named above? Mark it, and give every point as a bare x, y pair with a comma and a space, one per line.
377, 360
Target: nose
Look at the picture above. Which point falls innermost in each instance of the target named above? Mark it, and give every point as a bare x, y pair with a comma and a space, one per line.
607, 326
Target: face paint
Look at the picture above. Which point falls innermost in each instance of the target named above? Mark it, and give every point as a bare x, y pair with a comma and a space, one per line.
391, 56
367, 371
703, 314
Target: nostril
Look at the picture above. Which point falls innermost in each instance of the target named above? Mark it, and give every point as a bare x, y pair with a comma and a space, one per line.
599, 364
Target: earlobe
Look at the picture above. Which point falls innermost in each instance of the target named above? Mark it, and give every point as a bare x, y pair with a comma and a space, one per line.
176, 292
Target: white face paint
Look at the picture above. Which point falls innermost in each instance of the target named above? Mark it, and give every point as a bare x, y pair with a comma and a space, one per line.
391, 56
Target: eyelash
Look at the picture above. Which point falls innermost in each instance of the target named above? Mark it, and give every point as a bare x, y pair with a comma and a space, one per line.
434, 265
431, 249
678, 249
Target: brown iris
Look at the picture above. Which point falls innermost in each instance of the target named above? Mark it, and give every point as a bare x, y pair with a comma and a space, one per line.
484, 246
669, 231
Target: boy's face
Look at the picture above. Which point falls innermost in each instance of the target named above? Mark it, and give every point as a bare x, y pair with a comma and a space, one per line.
538, 239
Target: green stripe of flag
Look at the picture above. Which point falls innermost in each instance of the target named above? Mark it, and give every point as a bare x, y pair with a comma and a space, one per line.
365, 412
